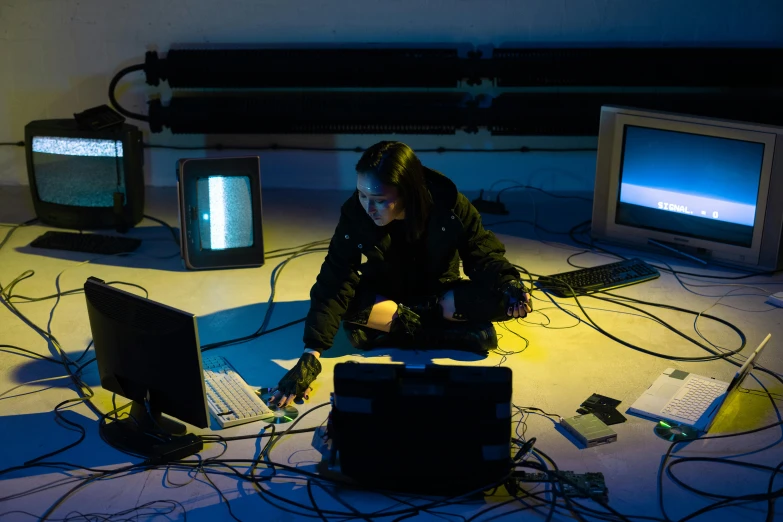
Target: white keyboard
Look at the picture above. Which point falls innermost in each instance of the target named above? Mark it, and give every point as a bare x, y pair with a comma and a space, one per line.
693, 400
231, 401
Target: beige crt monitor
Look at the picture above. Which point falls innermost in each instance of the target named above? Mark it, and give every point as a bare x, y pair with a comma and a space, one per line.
707, 187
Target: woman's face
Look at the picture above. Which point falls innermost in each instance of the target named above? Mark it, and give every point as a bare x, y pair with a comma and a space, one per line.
381, 202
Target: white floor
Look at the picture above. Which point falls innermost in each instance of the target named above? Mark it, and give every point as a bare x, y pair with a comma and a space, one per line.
558, 362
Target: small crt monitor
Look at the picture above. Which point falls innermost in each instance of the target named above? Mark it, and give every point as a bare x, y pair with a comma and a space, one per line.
220, 212
706, 187
85, 179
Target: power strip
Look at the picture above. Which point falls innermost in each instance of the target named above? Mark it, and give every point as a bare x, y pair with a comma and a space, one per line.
487, 206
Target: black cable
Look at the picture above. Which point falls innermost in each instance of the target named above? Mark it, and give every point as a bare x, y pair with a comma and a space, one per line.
370, 516
29, 353
666, 457
727, 502
359, 150
605, 516
431, 503
277, 147
250, 337
273, 440
255, 435
12, 143
7, 296
82, 388
591, 322
770, 497
550, 194
716, 355
199, 465
725, 356
527, 222
64, 497
298, 247
169, 227
771, 501
221, 495
14, 228
109, 516
270, 307
29, 273
683, 460
313, 502
84, 391
560, 478
747, 274
113, 87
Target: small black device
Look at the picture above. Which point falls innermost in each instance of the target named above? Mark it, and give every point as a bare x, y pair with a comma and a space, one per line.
487, 206
149, 353
399, 427
97, 118
88, 243
85, 179
176, 449
220, 212
598, 278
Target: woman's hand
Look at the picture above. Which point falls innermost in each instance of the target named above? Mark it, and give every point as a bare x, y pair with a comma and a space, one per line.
296, 383
520, 308
517, 299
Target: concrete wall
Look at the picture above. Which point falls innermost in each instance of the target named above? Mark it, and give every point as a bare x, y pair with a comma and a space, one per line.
57, 58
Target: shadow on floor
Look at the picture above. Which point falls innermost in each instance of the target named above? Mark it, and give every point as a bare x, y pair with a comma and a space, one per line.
158, 251
261, 362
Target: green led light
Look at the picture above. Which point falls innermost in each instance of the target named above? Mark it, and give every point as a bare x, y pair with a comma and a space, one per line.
664, 424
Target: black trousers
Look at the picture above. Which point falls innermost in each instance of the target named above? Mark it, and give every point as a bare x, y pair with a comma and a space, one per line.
472, 302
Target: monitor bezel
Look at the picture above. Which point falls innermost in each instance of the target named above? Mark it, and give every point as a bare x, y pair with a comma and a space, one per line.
86, 218
762, 253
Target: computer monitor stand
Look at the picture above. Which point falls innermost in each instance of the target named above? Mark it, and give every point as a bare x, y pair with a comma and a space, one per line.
140, 432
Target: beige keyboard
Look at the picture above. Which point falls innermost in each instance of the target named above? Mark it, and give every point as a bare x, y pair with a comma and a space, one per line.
231, 401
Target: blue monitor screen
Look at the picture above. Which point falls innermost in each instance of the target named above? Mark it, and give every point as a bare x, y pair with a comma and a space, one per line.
225, 212
689, 184
79, 172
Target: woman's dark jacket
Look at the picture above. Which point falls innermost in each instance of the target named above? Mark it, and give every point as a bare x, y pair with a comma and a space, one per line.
454, 232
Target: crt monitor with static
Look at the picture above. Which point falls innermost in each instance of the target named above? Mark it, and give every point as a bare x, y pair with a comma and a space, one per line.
220, 212
707, 187
85, 179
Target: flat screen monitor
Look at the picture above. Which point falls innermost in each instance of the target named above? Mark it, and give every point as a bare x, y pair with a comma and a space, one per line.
85, 179
220, 212
149, 353
707, 187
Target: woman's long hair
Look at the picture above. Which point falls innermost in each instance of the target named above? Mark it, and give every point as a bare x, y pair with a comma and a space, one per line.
394, 163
